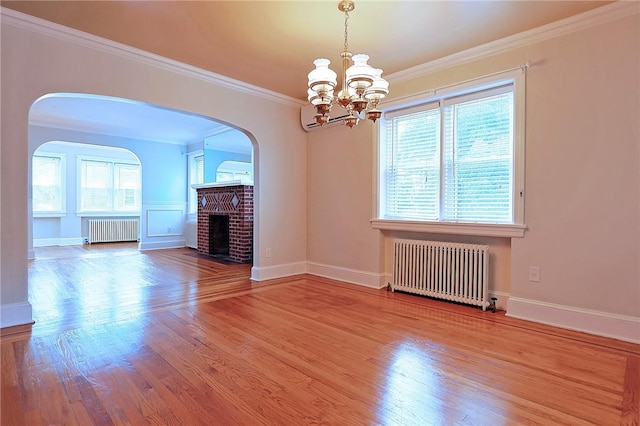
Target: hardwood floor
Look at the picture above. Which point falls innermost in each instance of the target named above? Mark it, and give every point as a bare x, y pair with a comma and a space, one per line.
170, 337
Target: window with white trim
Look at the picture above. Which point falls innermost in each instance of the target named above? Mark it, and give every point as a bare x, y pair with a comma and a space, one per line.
109, 186
47, 182
196, 176
455, 158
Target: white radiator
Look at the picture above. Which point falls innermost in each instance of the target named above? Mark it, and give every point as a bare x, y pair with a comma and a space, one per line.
113, 230
449, 271
191, 233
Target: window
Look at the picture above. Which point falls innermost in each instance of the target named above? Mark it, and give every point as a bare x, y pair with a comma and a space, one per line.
196, 176
48, 184
127, 187
109, 187
454, 159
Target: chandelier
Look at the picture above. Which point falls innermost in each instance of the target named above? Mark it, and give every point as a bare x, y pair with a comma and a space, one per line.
362, 85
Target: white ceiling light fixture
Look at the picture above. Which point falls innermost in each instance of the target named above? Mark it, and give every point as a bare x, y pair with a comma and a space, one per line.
362, 85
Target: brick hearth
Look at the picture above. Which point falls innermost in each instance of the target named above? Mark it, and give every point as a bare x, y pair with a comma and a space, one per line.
236, 202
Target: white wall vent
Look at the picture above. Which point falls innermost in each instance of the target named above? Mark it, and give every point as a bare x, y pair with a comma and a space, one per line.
308, 120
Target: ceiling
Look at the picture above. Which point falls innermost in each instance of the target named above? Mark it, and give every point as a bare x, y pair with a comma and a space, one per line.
272, 44
122, 117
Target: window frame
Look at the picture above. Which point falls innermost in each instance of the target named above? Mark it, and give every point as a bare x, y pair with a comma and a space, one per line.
62, 181
112, 166
192, 198
517, 228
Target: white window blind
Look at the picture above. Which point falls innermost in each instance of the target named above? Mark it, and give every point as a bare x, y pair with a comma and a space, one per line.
127, 187
413, 159
95, 186
109, 187
478, 158
47, 184
451, 161
198, 176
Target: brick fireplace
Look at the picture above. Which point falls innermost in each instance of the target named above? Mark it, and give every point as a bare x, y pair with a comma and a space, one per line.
223, 208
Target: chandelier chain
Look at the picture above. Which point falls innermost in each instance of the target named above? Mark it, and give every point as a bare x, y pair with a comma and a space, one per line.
346, 33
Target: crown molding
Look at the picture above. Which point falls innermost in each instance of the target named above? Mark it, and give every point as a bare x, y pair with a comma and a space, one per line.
60, 32
601, 15
70, 127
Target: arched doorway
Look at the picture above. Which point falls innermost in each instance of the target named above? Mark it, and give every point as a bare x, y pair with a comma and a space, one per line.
164, 140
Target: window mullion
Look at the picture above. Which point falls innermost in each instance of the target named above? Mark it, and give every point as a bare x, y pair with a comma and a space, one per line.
443, 170
111, 171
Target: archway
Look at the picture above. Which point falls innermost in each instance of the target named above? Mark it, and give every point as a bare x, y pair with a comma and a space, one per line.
161, 138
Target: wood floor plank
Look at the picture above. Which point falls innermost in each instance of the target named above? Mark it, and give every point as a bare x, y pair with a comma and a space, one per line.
258, 358
631, 397
10, 391
174, 337
223, 391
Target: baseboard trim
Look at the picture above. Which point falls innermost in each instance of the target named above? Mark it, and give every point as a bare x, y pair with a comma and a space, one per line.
599, 323
46, 242
352, 276
162, 245
12, 314
277, 271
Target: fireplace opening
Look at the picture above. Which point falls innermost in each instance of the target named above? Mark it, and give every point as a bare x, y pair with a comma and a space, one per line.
219, 235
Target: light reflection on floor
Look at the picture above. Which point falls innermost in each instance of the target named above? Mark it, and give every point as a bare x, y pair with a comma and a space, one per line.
419, 381
410, 382
87, 294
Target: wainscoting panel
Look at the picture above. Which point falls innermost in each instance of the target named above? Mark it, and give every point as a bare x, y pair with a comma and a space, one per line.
165, 222
162, 225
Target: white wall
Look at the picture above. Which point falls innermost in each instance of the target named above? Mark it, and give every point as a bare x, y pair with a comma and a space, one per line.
35, 63
341, 243
583, 183
582, 205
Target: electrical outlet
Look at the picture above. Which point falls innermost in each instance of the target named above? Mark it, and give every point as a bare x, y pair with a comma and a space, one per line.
534, 274
268, 252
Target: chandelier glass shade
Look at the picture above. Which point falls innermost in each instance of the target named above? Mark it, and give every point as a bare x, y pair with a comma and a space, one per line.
362, 85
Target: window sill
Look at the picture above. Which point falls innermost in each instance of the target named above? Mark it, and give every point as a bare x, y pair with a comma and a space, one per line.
481, 229
49, 214
107, 214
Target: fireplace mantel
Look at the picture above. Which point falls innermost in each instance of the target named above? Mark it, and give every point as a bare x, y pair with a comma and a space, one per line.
218, 184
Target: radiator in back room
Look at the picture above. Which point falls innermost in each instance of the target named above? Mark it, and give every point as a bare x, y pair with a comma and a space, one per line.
113, 230
449, 271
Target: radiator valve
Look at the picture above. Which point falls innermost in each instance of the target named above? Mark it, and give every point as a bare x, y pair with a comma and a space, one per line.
492, 305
